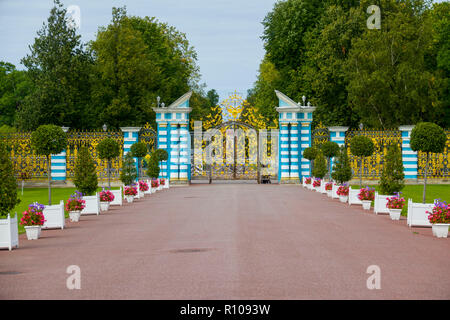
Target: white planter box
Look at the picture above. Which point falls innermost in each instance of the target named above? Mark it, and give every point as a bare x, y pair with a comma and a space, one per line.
334, 194
329, 193
417, 214
343, 199
104, 205
54, 216
92, 205
395, 214
149, 191
366, 204
440, 230
380, 202
118, 200
130, 199
139, 194
9, 233
322, 186
74, 216
167, 185
33, 232
353, 196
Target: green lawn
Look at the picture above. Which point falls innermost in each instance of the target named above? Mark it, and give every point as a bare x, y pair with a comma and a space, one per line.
40, 195
415, 192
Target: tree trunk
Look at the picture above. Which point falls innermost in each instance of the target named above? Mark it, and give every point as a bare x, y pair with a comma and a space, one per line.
360, 172
49, 174
425, 177
109, 174
329, 168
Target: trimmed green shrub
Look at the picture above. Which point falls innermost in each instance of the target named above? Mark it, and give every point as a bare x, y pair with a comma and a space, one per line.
161, 155
47, 140
8, 183
128, 174
85, 178
153, 167
108, 149
320, 166
429, 138
310, 154
342, 172
330, 149
139, 150
361, 146
392, 176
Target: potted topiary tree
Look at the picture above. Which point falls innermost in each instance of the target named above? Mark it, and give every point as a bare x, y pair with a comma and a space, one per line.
47, 140
392, 175
153, 171
128, 174
9, 236
320, 166
85, 178
429, 138
310, 154
342, 172
108, 149
361, 146
139, 150
330, 149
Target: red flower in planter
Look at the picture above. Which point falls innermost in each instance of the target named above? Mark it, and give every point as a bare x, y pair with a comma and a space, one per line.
143, 186
33, 216
343, 190
395, 202
308, 180
106, 196
329, 186
130, 191
440, 212
366, 194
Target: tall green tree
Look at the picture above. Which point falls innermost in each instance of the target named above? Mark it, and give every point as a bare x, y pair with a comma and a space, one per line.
327, 48
14, 87
47, 140
392, 176
389, 82
85, 178
8, 183
138, 59
59, 69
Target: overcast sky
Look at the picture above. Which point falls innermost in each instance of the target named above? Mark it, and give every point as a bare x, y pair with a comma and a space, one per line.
225, 33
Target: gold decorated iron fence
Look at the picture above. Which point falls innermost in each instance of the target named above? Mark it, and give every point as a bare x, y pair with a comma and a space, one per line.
439, 166
26, 162
77, 139
372, 166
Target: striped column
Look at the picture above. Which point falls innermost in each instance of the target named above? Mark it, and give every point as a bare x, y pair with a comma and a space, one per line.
163, 144
337, 134
185, 150
174, 139
305, 137
284, 156
409, 157
294, 152
58, 164
130, 137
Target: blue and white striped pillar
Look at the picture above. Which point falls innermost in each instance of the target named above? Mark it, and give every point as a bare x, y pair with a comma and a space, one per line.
174, 164
294, 172
162, 143
305, 137
337, 134
173, 136
284, 156
58, 164
409, 157
295, 136
130, 137
185, 153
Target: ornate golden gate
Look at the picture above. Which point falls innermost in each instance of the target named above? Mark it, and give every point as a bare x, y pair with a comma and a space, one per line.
231, 149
